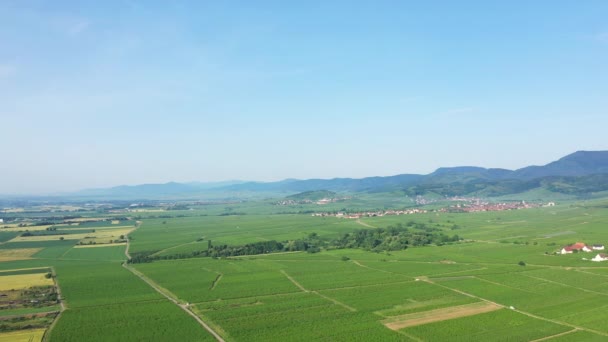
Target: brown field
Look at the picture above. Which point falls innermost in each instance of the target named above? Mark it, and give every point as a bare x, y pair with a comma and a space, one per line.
24, 281
17, 254
99, 236
419, 318
105, 235
15, 228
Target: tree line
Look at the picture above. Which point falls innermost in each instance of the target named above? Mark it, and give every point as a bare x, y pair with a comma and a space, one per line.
391, 238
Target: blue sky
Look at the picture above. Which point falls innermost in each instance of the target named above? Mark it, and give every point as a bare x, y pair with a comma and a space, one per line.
102, 93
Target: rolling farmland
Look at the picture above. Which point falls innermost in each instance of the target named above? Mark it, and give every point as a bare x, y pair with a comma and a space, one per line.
459, 290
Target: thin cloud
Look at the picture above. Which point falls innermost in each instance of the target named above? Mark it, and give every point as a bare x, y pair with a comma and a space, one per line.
458, 111
7, 70
78, 27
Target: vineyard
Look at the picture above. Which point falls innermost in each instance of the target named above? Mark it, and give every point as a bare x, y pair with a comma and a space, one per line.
500, 280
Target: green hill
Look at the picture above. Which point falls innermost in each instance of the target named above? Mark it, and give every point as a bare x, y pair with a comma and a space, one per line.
312, 195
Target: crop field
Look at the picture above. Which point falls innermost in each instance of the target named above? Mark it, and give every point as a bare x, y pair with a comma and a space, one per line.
24, 229
503, 281
297, 317
23, 281
99, 294
501, 325
159, 234
93, 236
139, 321
5, 236
34, 335
109, 252
17, 254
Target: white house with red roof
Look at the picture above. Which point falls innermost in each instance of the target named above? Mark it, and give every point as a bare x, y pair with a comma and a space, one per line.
579, 246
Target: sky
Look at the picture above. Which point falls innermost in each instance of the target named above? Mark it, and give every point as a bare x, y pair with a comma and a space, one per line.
105, 93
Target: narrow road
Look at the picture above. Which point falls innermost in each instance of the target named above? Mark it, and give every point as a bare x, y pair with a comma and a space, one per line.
137, 225
166, 293
184, 307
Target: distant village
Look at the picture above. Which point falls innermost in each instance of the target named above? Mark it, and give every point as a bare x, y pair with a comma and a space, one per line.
583, 247
322, 201
477, 205
372, 213
465, 205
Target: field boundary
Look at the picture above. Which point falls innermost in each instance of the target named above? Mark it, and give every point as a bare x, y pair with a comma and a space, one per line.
216, 281
520, 311
166, 293
184, 307
63, 306
335, 301
556, 335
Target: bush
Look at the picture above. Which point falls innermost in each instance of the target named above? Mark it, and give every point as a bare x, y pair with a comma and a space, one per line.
521, 263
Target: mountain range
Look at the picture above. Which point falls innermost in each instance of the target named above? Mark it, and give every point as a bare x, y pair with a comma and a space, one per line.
579, 173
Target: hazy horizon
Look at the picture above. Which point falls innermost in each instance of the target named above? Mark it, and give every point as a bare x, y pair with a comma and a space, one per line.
127, 92
66, 191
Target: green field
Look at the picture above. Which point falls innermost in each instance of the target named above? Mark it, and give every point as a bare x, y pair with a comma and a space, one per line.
333, 294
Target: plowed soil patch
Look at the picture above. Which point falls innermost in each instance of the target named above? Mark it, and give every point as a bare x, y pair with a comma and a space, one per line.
425, 317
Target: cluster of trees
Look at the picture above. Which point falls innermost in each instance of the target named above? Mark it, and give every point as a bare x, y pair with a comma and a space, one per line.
392, 238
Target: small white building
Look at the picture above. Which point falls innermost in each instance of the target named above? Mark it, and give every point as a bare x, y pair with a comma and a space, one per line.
598, 247
600, 257
579, 246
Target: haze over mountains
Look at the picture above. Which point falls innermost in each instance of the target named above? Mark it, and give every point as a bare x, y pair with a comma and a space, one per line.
579, 173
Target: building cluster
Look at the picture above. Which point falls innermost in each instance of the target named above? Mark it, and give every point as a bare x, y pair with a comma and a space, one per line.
371, 213
583, 247
479, 206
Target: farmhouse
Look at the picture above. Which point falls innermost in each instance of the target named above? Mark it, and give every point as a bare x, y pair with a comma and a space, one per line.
579, 246
598, 247
600, 257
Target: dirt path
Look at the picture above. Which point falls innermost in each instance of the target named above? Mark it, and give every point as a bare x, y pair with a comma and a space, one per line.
137, 225
503, 285
172, 298
556, 335
365, 224
377, 269
47, 332
335, 301
169, 248
565, 285
294, 282
516, 310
